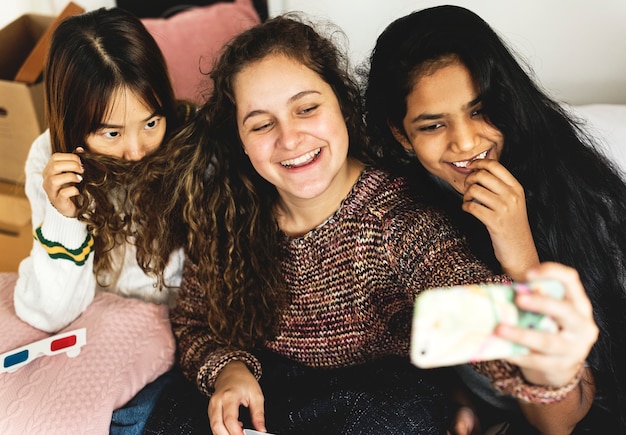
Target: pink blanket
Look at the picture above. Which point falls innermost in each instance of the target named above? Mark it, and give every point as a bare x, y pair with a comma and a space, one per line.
129, 344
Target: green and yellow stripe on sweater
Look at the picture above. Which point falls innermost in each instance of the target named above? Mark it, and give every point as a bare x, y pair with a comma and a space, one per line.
58, 251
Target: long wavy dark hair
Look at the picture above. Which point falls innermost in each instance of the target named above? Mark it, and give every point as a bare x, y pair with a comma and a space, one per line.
576, 198
223, 205
91, 57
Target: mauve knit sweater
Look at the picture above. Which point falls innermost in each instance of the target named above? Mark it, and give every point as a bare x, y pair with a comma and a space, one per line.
353, 280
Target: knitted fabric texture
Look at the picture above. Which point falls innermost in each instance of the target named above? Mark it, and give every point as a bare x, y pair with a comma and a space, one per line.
353, 281
517, 386
129, 344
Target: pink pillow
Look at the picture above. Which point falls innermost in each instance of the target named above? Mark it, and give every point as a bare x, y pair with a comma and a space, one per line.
190, 41
129, 344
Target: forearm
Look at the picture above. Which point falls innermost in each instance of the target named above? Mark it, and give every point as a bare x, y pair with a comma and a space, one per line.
517, 269
561, 417
518, 256
199, 355
202, 361
52, 290
56, 282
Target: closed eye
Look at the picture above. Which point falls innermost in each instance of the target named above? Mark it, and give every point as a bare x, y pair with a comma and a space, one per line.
262, 127
309, 109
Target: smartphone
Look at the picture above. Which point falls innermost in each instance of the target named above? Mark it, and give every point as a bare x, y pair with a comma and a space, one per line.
455, 325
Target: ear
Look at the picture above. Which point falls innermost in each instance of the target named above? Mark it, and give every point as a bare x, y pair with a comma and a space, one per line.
400, 136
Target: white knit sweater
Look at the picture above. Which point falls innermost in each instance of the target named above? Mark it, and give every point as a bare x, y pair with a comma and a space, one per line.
57, 282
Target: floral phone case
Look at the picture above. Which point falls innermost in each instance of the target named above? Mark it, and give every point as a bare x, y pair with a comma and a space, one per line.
454, 325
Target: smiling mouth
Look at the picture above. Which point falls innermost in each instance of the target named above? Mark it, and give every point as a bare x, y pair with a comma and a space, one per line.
304, 159
464, 163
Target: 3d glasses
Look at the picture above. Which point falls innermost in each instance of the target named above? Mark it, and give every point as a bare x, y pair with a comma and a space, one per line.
69, 343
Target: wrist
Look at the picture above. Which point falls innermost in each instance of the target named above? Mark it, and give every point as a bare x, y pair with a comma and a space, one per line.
521, 389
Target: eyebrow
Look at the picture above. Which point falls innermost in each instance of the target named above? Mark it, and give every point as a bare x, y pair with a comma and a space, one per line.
289, 101
432, 116
101, 126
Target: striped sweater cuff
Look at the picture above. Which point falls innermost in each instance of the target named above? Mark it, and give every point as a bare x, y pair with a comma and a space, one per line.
63, 237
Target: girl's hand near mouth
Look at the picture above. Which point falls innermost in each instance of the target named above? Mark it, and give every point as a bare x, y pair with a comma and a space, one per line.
497, 199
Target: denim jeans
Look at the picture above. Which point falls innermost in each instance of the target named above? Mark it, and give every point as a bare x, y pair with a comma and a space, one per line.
132, 417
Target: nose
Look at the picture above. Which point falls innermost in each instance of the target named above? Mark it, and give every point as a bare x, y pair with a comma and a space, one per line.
134, 149
464, 136
289, 135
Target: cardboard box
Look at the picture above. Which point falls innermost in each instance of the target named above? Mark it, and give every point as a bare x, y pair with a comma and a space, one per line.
24, 44
16, 232
21, 105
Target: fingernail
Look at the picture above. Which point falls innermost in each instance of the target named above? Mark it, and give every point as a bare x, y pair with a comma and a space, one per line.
80, 178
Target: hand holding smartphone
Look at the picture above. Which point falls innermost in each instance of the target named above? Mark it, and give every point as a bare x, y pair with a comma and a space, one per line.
455, 325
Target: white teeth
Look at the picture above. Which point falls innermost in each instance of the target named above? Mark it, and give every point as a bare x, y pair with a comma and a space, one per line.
464, 163
461, 164
481, 155
306, 158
